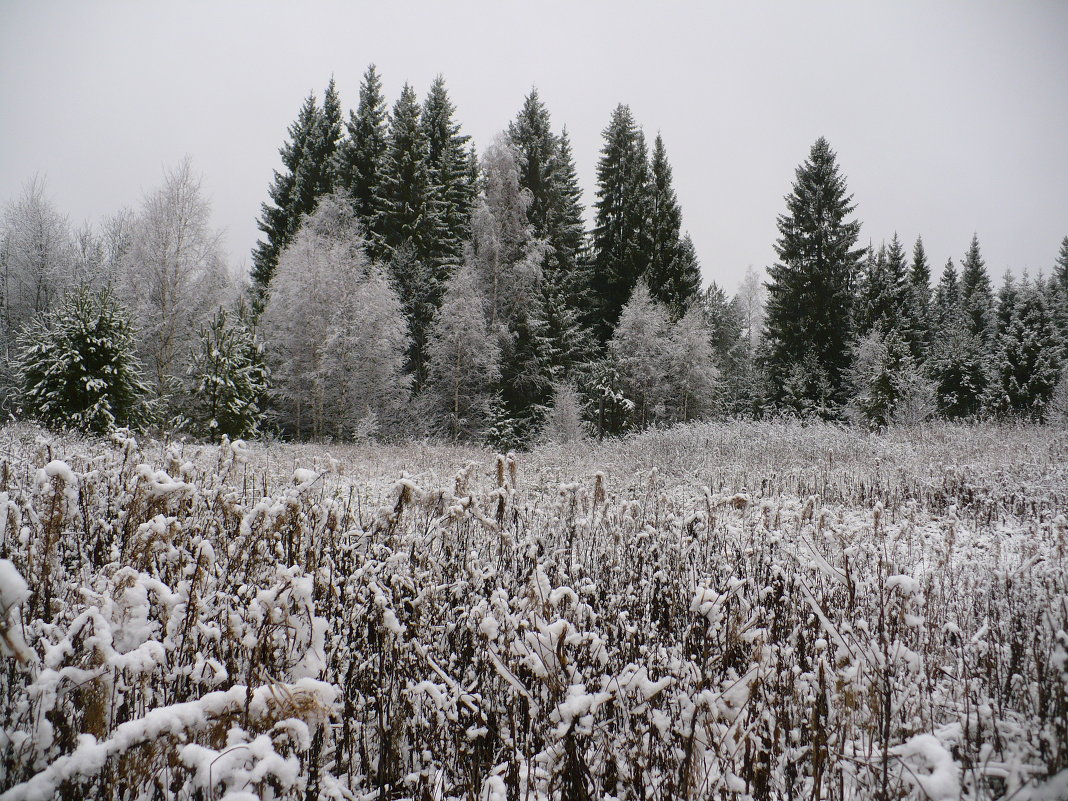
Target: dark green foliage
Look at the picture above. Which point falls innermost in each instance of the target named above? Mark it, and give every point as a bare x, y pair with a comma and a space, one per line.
408, 211
807, 323
547, 172
359, 162
621, 240
77, 367
447, 163
527, 376
229, 379
920, 300
310, 171
976, 296
673, 274
409, 226
887, 383
1028, 357
1060, 267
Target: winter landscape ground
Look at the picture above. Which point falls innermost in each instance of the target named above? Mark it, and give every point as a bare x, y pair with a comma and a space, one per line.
735, 610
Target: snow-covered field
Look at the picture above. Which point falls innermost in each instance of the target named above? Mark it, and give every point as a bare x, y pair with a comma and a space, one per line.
763, 611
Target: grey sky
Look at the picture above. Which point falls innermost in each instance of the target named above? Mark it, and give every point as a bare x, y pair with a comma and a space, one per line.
947, 118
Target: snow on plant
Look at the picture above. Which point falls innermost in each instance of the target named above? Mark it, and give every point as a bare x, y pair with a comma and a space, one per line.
756, 610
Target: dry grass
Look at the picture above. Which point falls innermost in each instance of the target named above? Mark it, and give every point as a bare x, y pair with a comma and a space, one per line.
761, 611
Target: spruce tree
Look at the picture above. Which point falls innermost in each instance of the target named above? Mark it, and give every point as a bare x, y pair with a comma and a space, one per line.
976, 296
447, 164
810, 290
229, 379
919, 300
77, 366
1060, 267
537, 157
621, 237
673, 274
360, 159
957, 359
1028, 358
547, 172
883, 304
409, 226
409, 213
279, 218
310, 171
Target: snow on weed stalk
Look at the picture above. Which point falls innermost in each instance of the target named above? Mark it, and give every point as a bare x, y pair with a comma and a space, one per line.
760, 611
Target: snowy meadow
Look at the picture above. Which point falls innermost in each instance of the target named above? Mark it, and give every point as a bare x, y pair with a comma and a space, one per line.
743, 610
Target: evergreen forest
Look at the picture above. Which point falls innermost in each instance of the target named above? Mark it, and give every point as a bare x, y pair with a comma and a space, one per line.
408, 284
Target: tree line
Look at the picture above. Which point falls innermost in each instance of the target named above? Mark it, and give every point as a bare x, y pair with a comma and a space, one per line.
406, 285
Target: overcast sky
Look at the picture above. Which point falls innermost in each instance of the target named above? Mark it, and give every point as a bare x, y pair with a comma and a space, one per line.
947, 117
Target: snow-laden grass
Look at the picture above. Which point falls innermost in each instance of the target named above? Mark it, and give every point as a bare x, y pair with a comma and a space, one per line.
763, 611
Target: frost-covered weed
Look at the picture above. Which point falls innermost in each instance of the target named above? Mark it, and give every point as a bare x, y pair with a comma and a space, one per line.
762, 611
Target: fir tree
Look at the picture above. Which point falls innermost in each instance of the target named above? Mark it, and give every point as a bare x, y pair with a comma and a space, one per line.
957, 360
448, 168
888, 386
310, 171
976, 297
77, 366
919, 300
229, 379
360, 159
1028, 358
673, 274
884, 293
547, 172
1060, 267
537, 157
409, 226
810, 289
621, 240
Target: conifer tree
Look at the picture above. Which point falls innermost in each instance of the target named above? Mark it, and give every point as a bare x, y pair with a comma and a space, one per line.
673, 274
621, 237
547, 172
976, 296
448, 168
310, 171
360, 159
920, 300
665, 227
229, 379
77, 366
807, 327
957, 359
1028, 358
537, 157
884, 293
888, 386
1060, 267
409, 226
